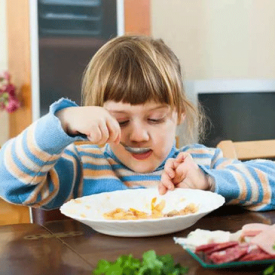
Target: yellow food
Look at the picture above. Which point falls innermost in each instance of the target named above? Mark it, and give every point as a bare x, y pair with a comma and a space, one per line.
156, 212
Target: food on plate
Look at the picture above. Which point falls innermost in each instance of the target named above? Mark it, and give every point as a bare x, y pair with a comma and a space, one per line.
266, 240
252, 229
156, 212
253, 242
90, 210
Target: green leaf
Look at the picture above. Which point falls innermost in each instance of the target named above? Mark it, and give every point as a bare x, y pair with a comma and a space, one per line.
115, 269
102, 267
151, 264
270, 270
168, 264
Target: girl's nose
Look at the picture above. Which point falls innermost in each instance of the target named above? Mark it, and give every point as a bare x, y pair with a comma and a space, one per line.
139, 133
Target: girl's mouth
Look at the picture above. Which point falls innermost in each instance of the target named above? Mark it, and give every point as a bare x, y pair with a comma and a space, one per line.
143, 155
135, 150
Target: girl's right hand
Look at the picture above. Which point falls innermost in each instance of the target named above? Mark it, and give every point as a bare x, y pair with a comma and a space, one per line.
95, 122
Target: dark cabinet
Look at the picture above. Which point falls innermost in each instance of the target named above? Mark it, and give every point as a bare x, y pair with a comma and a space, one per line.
69, 34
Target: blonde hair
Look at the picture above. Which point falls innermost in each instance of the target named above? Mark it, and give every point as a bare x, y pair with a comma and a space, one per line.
136, 69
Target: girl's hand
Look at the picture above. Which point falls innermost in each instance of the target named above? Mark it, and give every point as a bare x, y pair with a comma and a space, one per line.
182, 172
95, 122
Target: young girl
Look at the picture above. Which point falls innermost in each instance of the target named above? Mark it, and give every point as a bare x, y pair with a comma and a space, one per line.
133, 95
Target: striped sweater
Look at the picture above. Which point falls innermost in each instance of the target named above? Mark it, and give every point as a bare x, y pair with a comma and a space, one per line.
44, 167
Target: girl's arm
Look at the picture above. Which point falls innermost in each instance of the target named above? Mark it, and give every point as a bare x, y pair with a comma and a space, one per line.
250, 183
37, 168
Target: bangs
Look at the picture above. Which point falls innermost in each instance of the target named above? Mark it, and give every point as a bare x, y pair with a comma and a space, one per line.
135, 79
134, 70
130, 82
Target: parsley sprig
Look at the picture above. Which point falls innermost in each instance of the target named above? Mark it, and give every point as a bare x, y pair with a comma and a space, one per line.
151, 264
270, 270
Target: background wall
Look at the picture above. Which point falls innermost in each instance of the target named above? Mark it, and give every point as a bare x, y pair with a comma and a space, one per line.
4, 127
219, 38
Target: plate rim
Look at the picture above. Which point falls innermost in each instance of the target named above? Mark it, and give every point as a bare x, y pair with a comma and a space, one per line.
106, 221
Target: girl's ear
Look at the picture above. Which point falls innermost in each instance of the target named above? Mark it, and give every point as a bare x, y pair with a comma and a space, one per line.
181, 119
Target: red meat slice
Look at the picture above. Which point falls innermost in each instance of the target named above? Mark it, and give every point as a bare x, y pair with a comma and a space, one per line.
228, 255
255, 254
222, 246
205, 247
212, 247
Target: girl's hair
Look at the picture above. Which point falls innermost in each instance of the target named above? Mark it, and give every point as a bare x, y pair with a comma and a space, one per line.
136, 69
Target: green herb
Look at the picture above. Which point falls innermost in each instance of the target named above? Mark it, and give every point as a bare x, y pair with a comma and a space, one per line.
151, 264
270, 270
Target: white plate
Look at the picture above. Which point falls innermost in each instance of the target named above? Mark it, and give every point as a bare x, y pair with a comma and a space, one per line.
90, 209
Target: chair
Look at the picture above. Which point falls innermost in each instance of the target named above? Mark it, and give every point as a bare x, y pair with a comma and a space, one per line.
12, 213
41, 216
245, 150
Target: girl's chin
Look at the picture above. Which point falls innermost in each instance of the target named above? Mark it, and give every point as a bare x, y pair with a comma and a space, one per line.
143, 168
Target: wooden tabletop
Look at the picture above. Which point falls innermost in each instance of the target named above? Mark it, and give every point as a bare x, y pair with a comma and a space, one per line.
32, 249
70, 247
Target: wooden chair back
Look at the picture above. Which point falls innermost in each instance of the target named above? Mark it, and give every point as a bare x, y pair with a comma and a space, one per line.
41, 216
245, 150
12, 213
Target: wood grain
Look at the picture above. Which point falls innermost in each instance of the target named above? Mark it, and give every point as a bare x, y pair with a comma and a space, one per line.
244, 150
13, 214
19, 63
18, 37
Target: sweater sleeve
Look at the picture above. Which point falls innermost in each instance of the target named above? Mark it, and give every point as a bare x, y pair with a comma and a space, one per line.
41, 167
249, 183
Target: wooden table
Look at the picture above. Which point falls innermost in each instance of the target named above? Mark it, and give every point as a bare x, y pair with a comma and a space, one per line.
69, 247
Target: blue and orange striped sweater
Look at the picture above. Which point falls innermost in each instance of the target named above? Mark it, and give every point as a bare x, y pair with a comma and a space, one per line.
43, 167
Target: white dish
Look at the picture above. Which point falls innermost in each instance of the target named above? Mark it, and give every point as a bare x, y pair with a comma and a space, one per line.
90, 209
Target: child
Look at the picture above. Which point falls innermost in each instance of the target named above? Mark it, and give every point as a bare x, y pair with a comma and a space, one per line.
133, 94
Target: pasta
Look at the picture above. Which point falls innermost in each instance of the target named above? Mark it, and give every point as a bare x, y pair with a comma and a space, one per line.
156, 212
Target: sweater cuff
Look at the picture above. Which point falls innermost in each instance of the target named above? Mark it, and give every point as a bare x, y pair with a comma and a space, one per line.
210, 178
49, 134
61, 104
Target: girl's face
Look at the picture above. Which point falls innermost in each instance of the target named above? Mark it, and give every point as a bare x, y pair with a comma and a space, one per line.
151, 125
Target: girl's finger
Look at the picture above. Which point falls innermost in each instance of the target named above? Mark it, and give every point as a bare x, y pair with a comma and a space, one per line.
114, 130
167, 182
169, 168
104, 133
95, 135
162, 189
181, 157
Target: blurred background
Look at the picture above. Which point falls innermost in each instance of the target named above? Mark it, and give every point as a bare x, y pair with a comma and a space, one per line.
226, 48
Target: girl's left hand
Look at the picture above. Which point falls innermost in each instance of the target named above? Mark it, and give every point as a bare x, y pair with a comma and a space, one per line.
182, 172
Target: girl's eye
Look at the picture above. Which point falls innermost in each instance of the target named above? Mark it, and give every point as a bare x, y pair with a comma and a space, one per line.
156, 121
123, 123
